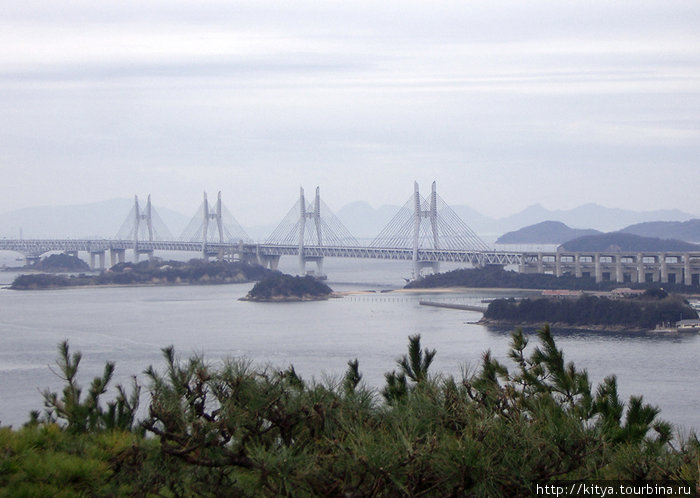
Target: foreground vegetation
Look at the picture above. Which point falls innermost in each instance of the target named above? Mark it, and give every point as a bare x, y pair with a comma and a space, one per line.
155, 272
644, 312
232, 430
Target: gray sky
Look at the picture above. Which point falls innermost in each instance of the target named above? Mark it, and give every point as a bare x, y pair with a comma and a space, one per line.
505, 104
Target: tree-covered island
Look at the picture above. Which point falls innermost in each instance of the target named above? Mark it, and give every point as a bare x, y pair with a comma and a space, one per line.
193, 272
280, 287
641, 312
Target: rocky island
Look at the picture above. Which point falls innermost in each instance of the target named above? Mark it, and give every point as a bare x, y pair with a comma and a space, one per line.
280, 287
194, 272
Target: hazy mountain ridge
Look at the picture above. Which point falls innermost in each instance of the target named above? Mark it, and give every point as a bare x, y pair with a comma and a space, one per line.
686, 230
104, 219
552, 232
365, 221
98, 219
627, 242
546, 232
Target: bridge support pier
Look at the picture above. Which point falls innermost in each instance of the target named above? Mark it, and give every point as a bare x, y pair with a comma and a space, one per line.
433, 265
117, 256
619, 275
307, 259
139, 252
664, 268
271, 262
577, 265
101, 256
598, 268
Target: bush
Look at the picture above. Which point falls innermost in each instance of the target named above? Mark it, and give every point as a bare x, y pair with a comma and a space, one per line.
235, 430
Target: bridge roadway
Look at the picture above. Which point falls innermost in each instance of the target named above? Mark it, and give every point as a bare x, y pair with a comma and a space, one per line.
621, 267
33, 248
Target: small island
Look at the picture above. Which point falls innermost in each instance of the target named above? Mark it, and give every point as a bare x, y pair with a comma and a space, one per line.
194, 272
643, 312
280, 287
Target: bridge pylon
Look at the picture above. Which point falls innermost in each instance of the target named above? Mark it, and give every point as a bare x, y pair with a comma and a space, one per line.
314, 216
141, 225
418, 215
215, 226
311, 229
424, 226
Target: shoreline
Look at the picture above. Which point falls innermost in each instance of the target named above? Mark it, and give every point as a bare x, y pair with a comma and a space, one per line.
561, 325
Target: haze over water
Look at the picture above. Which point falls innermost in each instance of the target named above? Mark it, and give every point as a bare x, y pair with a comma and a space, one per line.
129, 326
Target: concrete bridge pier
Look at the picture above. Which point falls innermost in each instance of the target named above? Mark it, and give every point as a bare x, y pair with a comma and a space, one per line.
433, 265
271, 262
598, 268
687, 273
577, 265
101, 256
139, 252
619, 275
117, 256
664, 268
307, 259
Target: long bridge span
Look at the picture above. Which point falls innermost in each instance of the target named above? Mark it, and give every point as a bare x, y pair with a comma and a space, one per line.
425, 231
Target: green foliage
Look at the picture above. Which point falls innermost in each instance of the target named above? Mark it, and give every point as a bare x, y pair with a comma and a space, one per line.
231, 429
414, 366
88, 414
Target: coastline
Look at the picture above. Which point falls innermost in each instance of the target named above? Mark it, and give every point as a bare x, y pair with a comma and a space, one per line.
563, 325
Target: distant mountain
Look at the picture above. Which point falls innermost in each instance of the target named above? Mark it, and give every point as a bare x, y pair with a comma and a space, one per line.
546, 232
104, 219
99, 219
587, 216
364, 221
688, 231
626, 242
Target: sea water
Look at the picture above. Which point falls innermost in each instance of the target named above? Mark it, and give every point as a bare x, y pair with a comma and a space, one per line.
130, 325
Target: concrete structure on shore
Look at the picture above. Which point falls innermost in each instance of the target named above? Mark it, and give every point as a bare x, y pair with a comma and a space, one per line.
619, 267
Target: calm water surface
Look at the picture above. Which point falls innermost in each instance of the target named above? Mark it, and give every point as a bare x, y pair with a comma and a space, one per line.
130, 325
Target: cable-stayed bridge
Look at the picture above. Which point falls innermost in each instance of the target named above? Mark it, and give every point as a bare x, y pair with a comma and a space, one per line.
425, 231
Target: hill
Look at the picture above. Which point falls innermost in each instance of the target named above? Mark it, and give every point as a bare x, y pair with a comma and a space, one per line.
587, 215
546, 232
688, 231
61, 263
626, 242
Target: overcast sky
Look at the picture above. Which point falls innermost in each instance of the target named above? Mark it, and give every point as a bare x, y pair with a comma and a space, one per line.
504, 104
